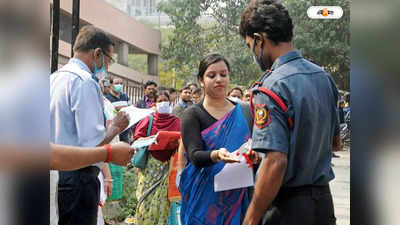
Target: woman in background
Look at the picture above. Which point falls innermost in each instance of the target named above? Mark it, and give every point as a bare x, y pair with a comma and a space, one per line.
152, 189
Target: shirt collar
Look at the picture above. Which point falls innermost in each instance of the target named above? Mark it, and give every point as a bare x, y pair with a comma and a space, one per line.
182, 103
147, 100
292, 55
81, 64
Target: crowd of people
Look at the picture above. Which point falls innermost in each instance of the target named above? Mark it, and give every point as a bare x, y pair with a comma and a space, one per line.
290, 115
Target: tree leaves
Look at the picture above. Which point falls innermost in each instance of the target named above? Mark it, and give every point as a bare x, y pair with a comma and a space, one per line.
325, 42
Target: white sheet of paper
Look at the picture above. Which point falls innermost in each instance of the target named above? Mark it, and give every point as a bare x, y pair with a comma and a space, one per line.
234, 175
144, 142
136, 114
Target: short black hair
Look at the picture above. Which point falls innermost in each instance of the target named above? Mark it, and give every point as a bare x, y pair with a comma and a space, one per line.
209, 60
236, 88
197, 91
91, 37
171, 90
268, 16
185, 88
150, 82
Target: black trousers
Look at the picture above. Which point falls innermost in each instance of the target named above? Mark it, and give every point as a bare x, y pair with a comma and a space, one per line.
78, 197
307, 205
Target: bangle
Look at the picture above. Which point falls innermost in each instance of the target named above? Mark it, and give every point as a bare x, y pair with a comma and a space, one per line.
108, 147
108, 180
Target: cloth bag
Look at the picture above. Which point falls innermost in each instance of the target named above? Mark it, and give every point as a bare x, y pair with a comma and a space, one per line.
139, 160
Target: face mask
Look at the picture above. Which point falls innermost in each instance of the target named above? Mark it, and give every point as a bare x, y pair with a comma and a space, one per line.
117, 88
163, 108
259, 59
101, 73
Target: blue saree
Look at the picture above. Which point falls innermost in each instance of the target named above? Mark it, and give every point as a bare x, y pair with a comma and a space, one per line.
200, 204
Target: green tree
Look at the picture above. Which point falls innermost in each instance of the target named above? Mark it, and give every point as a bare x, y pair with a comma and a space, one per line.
190, 40
325, 42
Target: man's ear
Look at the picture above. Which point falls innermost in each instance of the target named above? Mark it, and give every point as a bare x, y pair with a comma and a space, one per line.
258, 37
97, 52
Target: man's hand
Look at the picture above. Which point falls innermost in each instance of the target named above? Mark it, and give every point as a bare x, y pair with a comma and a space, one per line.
121, 121
269, 181
254, 157
121, 153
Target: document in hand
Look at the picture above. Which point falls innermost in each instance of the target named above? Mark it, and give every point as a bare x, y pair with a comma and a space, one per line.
144, 142
136, 114
166, 140
234, 175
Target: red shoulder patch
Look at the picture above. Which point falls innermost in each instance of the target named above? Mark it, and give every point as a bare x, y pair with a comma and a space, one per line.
262, 118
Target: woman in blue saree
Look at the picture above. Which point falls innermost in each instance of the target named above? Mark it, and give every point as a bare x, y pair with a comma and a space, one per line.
211, 129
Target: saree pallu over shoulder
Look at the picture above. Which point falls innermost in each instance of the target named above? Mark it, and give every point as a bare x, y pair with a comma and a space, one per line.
200, 204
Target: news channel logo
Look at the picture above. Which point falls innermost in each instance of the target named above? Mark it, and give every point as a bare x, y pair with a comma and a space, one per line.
325, 12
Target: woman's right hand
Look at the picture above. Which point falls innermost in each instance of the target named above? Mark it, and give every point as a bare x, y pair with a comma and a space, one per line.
223, 155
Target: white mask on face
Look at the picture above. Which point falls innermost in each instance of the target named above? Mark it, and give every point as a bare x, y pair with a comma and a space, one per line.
163, 108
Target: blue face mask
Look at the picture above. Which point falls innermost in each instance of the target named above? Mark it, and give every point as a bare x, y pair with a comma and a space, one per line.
259, 59
117, 88
101, 73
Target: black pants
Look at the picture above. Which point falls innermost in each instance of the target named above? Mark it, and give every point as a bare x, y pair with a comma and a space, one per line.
78, 197
307, 205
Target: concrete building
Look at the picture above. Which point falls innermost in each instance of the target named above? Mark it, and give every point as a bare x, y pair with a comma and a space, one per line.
146, 10
130, 36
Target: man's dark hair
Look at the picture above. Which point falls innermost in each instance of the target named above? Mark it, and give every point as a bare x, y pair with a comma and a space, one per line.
236, 88
150, 82
185, 88
197, 91
171, 90
209, 60
268, 16
90, 37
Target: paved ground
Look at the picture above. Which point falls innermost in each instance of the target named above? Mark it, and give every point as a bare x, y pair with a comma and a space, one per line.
340, 187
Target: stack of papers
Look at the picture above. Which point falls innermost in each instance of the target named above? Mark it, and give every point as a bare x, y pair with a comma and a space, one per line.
136, 114
235, 175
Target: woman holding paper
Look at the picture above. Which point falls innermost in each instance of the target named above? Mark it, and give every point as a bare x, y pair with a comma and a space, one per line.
153, 180
211, 130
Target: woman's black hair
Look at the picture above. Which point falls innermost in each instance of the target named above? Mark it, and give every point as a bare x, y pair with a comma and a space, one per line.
209, 60
165, 93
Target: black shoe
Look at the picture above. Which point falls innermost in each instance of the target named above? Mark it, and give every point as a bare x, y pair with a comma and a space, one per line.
335, 156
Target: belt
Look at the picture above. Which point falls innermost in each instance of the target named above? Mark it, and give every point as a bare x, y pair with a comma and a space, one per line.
309, 190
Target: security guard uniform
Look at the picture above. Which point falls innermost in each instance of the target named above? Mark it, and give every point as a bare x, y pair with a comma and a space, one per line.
294, 106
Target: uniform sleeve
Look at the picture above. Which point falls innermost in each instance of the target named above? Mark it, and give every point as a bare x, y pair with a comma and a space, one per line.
191, 137
271, 128
87, 106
